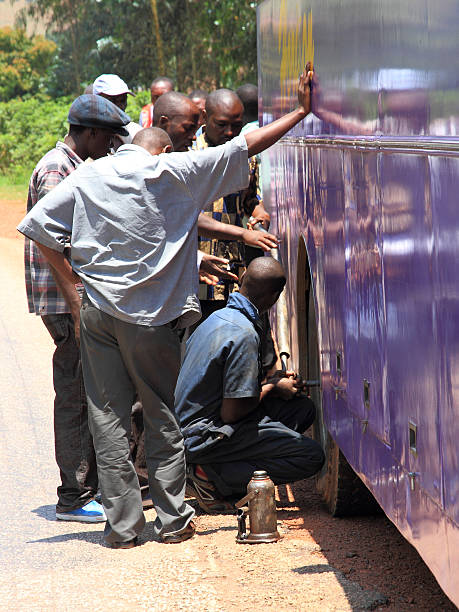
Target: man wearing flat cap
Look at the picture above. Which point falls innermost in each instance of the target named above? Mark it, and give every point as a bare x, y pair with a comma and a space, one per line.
93, 123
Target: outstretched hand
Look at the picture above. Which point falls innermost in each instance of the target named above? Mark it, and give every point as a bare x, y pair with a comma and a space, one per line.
264, 137
211, 270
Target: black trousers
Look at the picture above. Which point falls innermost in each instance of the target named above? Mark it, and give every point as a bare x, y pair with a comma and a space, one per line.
74, 447
270, 439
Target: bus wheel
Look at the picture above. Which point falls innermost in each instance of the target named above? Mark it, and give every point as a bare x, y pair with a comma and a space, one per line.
342, 490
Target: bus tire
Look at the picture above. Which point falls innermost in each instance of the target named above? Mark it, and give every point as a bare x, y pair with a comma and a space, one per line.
342, 491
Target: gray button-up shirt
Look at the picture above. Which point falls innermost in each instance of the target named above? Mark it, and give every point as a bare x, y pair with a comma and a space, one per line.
132, 223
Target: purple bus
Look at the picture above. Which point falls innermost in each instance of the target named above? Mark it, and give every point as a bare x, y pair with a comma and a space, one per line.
364, 194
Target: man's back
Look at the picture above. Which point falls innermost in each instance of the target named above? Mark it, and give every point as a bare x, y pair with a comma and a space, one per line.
221, 360
131, 218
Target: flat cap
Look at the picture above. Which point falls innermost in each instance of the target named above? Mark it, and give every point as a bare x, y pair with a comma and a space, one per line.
94, 111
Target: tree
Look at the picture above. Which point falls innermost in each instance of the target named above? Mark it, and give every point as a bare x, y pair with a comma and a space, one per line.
230, 33
24, 62
69, 24
207, 43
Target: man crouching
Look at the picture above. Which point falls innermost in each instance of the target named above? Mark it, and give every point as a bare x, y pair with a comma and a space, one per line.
231, 422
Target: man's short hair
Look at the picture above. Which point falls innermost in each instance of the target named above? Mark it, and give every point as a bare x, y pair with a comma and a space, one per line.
220, 97
198, 93
169, 104
76, 129
162, 79
248, 94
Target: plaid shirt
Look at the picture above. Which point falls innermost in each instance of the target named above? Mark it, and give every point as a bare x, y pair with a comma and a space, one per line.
43, 295
230, 209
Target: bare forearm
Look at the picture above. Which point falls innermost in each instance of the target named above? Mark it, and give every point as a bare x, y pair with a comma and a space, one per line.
63, 274
68, 290
235, 409
262, 138
266, 390
211, 228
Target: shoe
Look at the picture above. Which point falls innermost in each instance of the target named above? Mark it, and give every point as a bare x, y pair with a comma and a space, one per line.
92, 512
124, 545
206, 494
180, 536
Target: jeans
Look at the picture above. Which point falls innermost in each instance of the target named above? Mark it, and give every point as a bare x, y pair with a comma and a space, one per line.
74, 449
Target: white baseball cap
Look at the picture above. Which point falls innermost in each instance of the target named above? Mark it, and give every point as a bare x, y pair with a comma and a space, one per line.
110, 85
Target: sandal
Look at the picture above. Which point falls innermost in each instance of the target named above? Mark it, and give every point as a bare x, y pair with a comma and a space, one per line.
206, 494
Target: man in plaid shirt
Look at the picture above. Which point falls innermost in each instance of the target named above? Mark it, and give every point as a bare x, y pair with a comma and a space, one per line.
93, 122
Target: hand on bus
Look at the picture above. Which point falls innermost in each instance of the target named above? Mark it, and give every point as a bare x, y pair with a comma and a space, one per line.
262, 138
260, 240
304, 88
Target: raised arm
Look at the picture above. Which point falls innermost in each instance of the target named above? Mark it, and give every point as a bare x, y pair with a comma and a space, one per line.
262, 138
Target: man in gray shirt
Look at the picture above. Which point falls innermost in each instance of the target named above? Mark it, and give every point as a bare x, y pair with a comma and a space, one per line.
131, 220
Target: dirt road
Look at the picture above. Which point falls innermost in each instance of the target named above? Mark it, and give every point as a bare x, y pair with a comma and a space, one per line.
320, 564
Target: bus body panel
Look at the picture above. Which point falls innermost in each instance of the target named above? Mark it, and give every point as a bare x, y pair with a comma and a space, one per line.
369, 183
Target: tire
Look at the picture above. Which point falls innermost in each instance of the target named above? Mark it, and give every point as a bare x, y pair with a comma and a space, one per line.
341, 489
343, 492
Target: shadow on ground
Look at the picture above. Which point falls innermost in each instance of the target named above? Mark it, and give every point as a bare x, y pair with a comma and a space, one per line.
46, 512
93, 537
368, 551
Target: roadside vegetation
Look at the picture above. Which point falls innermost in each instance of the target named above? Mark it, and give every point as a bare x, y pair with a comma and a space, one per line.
198, 43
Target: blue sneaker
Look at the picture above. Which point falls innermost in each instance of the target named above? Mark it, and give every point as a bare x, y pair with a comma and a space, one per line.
92, 512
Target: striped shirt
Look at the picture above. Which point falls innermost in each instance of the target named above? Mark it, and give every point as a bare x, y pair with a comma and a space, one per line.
43, 295
230, 209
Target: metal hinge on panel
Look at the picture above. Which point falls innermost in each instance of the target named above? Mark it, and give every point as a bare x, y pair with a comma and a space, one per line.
413, 437
366, 393
338, 390
339, 364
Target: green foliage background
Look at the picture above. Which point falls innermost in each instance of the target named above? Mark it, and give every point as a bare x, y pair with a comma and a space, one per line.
205, 44
24, 62
30, 127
